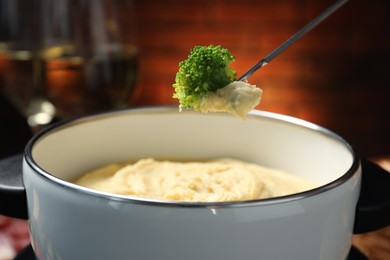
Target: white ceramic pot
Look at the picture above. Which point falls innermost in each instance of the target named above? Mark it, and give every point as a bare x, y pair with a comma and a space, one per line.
72, 222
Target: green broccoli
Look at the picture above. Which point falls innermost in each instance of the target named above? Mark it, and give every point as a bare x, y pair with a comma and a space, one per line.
206, 70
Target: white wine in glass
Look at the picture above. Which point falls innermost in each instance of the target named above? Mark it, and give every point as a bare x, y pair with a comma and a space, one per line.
88, 55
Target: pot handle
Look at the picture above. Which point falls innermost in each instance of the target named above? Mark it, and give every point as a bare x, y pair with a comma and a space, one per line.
373, 207
13, 202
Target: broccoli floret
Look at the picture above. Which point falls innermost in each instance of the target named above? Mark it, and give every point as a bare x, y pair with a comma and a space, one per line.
205, 70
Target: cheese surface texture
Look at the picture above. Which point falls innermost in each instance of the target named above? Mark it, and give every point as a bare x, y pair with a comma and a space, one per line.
211, 181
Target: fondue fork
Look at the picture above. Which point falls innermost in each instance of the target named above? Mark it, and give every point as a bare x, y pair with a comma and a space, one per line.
293, 39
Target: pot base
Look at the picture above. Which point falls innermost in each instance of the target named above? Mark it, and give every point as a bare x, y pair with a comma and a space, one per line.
28, 254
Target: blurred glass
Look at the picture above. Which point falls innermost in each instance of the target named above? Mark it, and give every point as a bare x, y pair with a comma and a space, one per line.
67, 58
88, 55
18, 42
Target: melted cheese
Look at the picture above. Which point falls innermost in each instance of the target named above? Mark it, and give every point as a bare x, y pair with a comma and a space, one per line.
212, 181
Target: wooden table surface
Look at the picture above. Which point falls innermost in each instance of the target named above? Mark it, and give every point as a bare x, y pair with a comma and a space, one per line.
376, 245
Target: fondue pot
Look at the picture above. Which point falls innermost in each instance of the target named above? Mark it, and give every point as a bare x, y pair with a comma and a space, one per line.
68, 221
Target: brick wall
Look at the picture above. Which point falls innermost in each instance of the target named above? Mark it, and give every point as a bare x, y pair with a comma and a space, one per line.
337, 76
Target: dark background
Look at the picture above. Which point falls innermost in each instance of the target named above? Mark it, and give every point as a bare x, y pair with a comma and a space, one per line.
337, 76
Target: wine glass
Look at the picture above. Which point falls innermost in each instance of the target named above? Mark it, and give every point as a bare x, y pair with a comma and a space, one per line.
87, 59
18, 42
